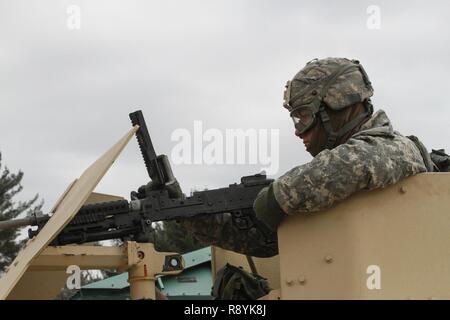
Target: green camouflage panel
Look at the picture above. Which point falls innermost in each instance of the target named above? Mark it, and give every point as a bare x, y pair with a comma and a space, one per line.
375, 157
349, 88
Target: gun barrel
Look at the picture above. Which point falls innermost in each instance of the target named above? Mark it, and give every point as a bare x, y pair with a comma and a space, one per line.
18, 223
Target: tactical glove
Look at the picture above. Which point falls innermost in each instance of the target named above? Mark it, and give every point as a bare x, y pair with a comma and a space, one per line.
267, 209
173, 189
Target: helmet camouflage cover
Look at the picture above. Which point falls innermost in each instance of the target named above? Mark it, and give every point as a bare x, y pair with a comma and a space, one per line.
339, 82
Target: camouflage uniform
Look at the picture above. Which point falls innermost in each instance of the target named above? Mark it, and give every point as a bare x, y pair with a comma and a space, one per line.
374, 157
218, 230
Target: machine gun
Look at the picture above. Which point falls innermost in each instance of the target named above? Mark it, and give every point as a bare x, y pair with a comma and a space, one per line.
132, 220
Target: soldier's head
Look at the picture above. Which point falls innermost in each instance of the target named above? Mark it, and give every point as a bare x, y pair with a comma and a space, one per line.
328, 101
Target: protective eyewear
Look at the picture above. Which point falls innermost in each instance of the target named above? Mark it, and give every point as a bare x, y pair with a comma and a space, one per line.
304, 118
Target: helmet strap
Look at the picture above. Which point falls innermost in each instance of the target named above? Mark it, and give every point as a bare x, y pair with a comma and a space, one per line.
333, 136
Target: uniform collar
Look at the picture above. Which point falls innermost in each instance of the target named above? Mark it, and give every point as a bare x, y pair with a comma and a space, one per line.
378, 125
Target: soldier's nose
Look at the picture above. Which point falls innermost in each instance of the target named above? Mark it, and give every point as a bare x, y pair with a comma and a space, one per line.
298, 134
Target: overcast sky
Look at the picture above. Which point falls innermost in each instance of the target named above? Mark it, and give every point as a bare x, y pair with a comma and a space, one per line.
65, 94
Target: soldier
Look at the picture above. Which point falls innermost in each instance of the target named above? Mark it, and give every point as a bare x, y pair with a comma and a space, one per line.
353, 148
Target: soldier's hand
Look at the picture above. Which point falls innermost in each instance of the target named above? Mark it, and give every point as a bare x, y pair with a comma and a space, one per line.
267, 209
143, 191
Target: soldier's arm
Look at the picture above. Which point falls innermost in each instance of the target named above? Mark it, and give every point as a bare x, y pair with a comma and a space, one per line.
333, 175
218, 230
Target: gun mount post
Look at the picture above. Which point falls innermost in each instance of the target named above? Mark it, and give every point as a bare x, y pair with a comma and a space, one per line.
144, 264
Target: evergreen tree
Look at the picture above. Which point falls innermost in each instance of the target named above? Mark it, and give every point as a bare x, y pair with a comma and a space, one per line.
10, 185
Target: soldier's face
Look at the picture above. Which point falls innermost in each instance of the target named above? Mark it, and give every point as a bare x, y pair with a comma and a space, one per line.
306, 137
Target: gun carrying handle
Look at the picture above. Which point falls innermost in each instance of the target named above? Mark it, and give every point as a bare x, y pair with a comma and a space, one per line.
164, 164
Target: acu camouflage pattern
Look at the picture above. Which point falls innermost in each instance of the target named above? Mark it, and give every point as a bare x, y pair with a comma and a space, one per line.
219, 230
374, 157
350, 87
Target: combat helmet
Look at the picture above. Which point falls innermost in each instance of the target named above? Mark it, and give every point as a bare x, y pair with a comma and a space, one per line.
334, 83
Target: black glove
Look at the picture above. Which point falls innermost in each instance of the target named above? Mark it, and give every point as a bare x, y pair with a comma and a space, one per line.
173, 189
267, 209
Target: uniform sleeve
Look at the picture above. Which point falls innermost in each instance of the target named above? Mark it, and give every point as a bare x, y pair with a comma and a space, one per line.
219, 230
333, 175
